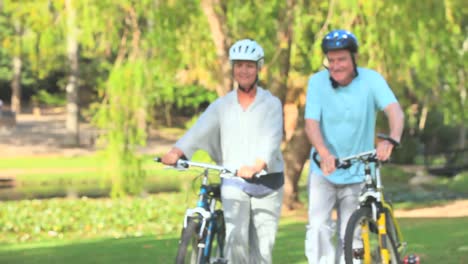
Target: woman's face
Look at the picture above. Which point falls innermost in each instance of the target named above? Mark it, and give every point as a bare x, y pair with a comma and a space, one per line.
245, 72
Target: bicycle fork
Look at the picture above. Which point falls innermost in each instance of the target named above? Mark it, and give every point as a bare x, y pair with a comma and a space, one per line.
382, 228
382, 234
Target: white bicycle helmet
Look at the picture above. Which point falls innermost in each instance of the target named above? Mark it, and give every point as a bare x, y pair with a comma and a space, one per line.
247, 49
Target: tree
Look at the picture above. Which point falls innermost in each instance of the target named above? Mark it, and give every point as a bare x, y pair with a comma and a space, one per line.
216, 15
72, 88
17, 63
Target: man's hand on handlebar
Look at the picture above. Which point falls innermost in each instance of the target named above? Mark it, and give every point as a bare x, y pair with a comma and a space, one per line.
386, 146
328, 164
384, 150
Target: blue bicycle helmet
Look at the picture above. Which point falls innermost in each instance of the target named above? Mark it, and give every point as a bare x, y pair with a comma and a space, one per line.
339, 39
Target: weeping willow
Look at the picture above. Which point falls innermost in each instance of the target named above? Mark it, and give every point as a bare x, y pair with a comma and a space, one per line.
121, 118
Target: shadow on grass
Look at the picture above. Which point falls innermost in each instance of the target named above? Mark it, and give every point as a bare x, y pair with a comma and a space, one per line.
146, 249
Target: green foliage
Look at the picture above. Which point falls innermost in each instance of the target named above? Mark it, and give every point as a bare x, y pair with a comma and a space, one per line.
459, 183
122, 117
59, 219
45, 98
145, 230
193, 97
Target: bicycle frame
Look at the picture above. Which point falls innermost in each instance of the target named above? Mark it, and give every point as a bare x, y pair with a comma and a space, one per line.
372, 196
206, 211
385, 213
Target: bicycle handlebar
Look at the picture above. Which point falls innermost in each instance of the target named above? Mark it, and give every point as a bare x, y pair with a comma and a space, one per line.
344, 163
369, 156
181, 163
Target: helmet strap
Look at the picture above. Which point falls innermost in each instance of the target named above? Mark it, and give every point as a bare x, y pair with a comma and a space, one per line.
354, 65
248, 89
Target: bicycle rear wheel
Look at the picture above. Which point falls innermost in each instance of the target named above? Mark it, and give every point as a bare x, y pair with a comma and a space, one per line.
188, 251
361, 243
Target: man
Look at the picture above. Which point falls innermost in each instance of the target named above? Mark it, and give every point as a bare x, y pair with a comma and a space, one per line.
341, 107
243, 131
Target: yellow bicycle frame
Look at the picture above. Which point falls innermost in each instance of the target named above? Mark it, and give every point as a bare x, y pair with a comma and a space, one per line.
382, 234
366, 242
382, 229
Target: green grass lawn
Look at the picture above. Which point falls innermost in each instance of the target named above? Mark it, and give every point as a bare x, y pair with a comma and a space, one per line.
145, 230
47, 177
435, 240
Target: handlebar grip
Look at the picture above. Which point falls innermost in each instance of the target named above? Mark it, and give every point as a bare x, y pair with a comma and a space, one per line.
342, 165
314, 157
256, 175
182, 163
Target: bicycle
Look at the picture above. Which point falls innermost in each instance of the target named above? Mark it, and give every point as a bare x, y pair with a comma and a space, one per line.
203, 232
372, 233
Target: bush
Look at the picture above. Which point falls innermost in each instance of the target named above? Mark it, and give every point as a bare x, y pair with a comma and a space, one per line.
47, 186
44, 98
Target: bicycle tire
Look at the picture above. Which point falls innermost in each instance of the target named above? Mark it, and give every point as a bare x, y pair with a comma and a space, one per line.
188, 251
391, 229
363, 217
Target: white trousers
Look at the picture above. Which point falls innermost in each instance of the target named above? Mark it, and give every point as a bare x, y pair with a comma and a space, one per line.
324, 196
251, 225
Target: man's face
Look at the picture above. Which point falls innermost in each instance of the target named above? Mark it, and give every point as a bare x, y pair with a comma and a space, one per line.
340, 65
245, 72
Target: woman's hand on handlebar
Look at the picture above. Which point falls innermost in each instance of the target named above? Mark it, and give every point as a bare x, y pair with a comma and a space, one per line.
246, 172
171, 157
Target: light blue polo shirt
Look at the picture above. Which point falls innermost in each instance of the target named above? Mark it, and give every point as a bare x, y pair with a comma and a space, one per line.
347, 117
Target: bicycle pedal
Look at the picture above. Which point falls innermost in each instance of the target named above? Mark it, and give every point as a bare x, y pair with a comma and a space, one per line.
411, 259
358, 253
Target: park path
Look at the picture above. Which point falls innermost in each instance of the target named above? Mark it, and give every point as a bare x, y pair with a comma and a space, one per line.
42, 135
458, 208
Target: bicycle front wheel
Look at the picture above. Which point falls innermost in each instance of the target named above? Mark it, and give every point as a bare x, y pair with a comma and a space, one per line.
188, 251
216, 245
361, 243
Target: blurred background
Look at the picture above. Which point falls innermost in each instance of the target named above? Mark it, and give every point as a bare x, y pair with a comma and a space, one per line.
92, 90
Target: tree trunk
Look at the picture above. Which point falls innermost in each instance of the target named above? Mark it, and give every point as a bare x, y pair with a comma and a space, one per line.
461, 85
297, 146
16, 86
278, 85
72, 122
295, 156
17, 64
219, 32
